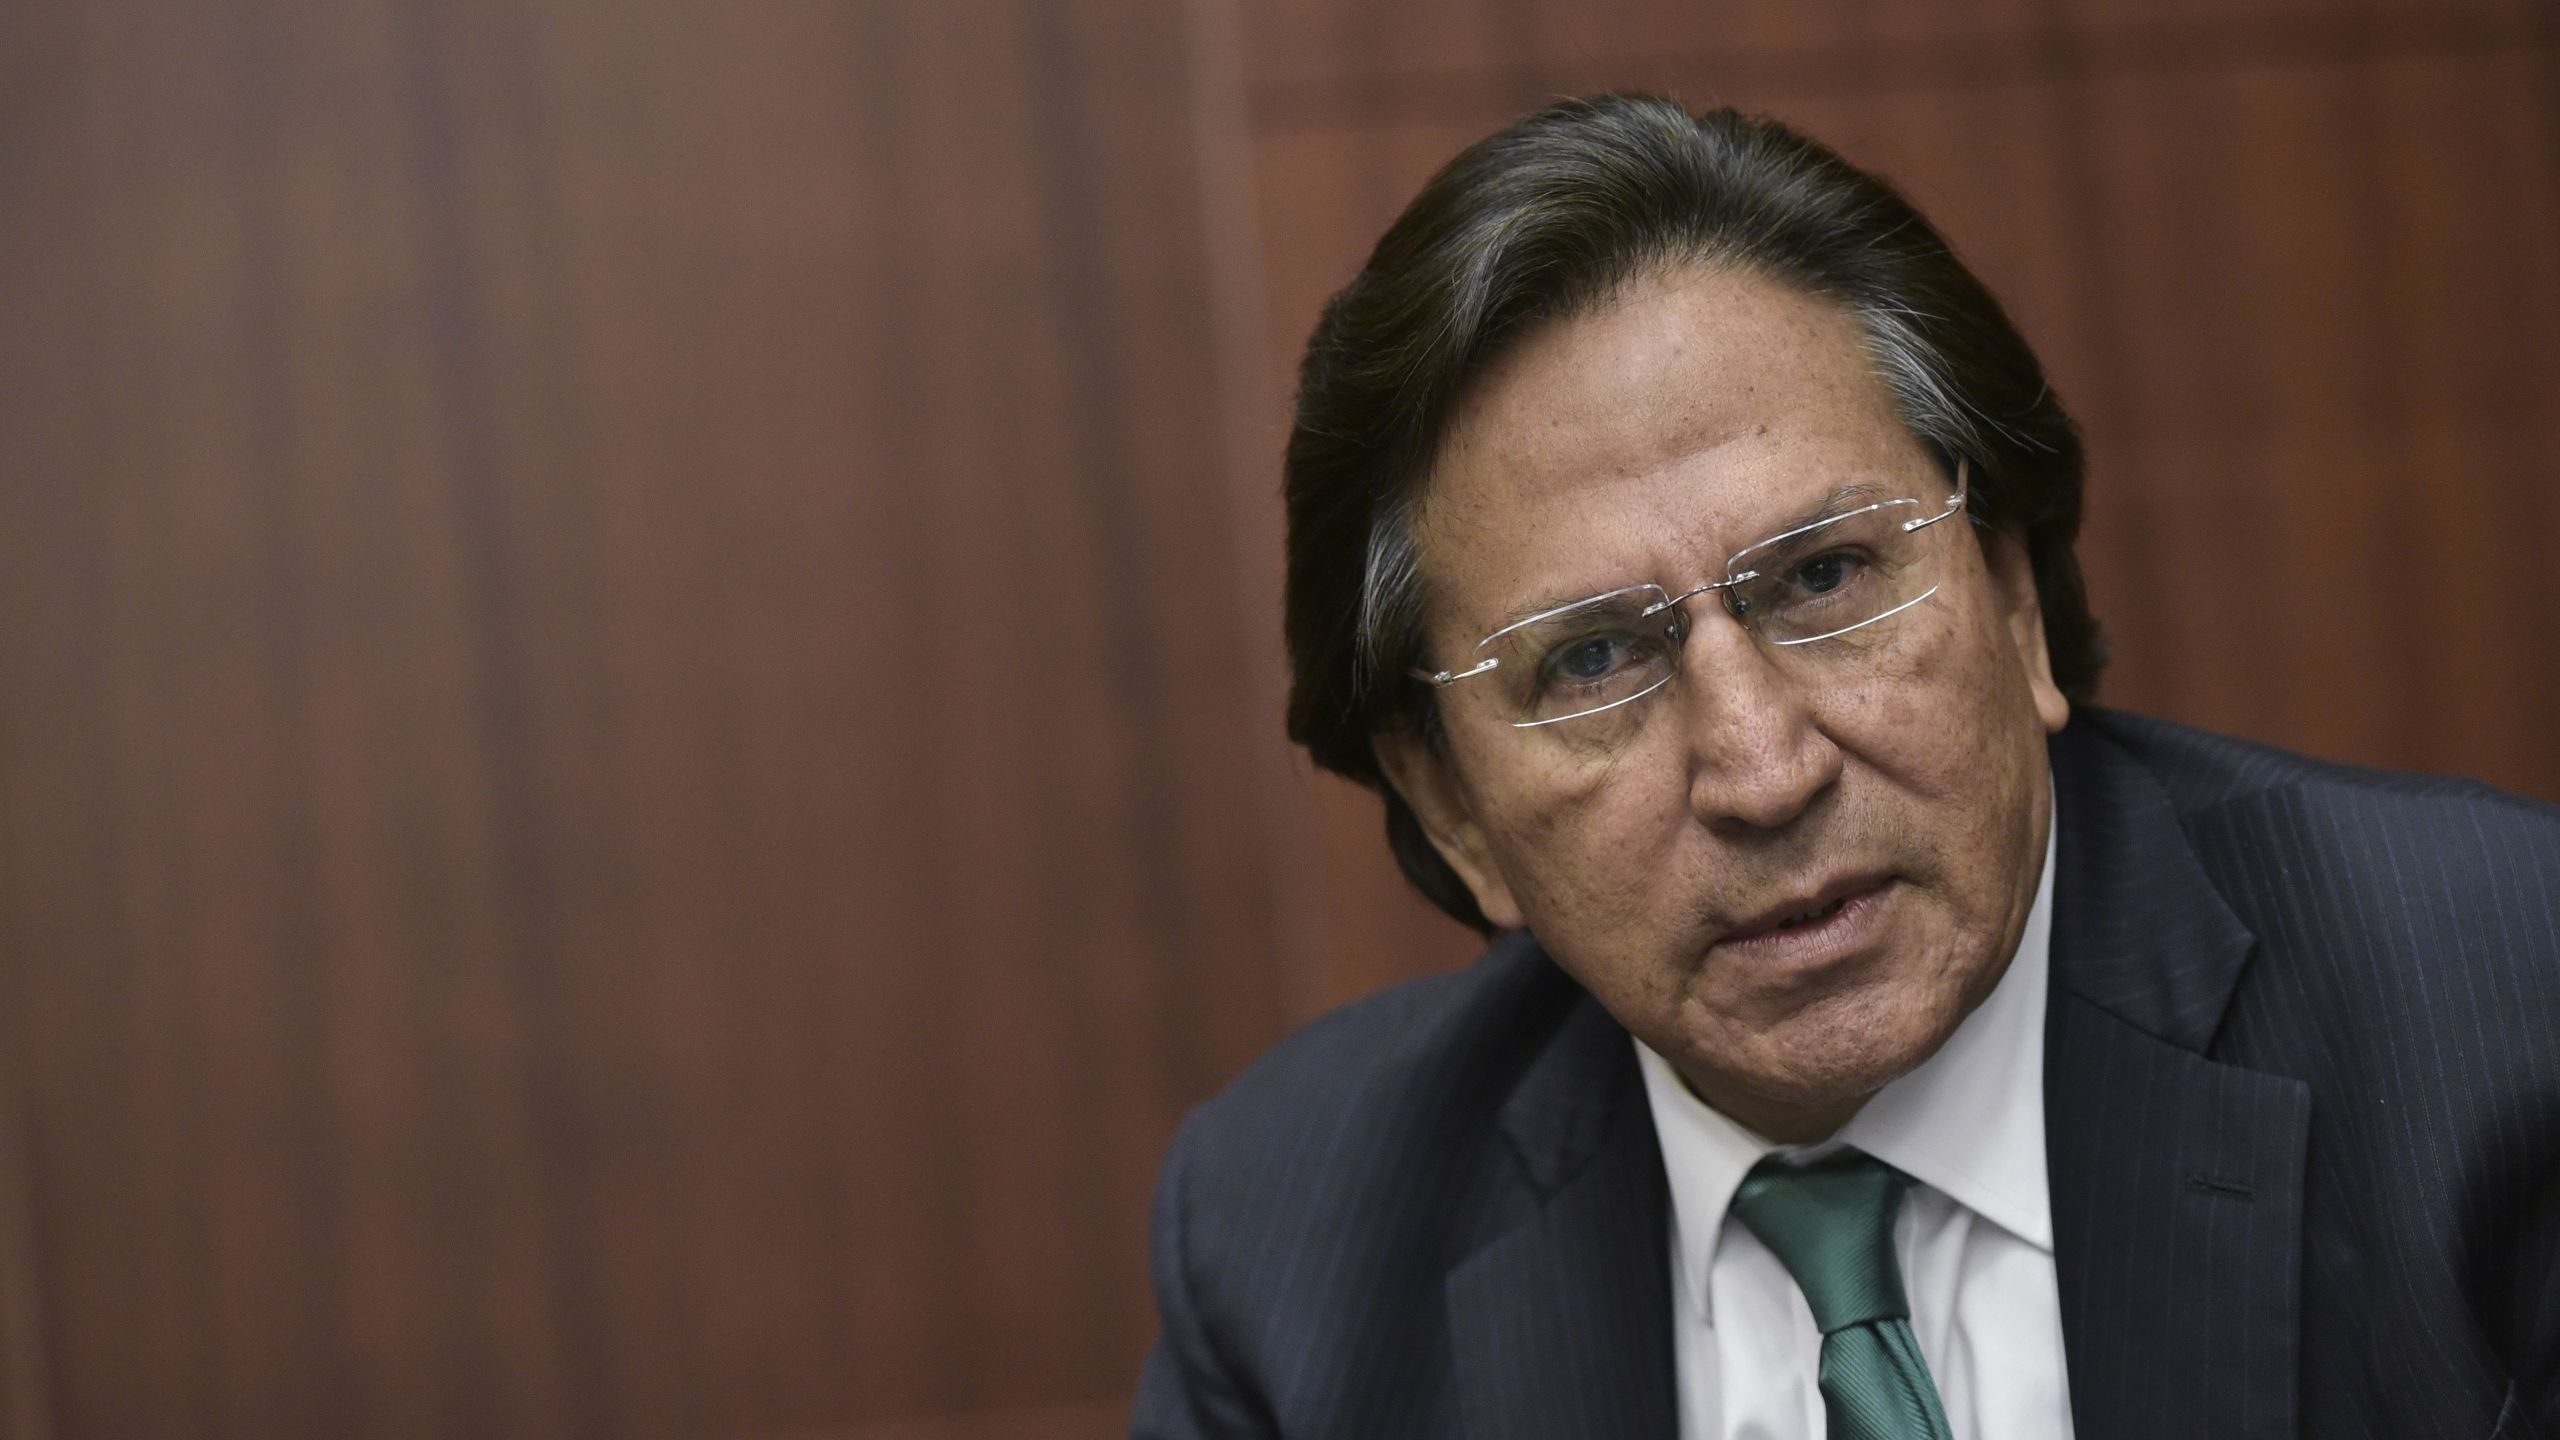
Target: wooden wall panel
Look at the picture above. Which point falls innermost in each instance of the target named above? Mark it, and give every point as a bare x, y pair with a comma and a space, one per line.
639, 756
1329, 41
627, 805
2200, 28
2337, 300
2291, 261
1432, 51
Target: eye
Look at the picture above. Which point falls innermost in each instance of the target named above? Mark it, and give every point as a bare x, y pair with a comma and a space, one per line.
1825, 573
1589, 659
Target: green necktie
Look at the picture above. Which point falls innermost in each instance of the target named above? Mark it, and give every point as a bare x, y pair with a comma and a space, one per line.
1831, 1225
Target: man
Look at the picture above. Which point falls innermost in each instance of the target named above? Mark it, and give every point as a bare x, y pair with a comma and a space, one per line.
1878, 1040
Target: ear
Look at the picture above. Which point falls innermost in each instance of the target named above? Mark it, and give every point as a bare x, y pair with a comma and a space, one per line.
1423, 775
2013, 580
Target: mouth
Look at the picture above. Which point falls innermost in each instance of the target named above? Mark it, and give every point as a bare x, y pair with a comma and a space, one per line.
1824, 924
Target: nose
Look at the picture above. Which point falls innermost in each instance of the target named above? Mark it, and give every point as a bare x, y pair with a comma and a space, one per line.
1758, 757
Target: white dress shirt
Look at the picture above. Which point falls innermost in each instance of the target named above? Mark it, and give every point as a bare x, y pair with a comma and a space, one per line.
1975, 1233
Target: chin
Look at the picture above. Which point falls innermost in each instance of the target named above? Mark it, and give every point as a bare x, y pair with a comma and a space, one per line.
1845, 1051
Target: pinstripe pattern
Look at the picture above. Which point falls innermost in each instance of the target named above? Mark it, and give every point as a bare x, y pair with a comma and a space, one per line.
2303, 1102
2406, 975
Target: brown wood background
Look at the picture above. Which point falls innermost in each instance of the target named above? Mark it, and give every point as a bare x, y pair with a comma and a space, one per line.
639, 761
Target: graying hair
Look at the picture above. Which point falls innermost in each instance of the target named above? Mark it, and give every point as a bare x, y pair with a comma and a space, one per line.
1553, 215
1393, 597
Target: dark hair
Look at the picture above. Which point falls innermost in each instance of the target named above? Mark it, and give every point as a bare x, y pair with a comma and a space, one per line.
1549, 218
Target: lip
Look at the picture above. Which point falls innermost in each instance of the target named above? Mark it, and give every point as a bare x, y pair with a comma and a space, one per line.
1764, 937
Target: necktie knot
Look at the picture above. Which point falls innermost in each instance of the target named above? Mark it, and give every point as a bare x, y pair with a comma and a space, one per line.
1831, 1225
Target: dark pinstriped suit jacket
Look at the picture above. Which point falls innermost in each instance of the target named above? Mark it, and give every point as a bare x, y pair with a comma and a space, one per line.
2303, 1106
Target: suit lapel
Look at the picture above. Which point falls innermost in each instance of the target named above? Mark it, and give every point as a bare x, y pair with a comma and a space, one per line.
1561, 1322
2176, 1180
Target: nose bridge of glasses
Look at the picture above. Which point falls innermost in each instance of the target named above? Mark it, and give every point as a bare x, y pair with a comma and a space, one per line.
1753, 606
1737, 693
1693, 592
1685, 630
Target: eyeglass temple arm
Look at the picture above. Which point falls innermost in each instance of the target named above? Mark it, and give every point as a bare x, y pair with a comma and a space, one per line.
1955, 502
1451, 677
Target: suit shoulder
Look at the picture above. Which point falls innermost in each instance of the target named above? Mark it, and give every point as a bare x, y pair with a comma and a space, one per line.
1308, 1211
1434, 1044
2410, 899
2405, 963
2350, 813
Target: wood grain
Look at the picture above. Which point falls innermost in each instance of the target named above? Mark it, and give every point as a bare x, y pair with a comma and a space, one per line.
639, 757
625, 812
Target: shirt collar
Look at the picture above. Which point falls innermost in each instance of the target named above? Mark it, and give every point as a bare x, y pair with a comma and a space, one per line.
1967, 1122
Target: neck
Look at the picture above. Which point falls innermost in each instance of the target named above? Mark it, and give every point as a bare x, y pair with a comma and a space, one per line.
1771, 1120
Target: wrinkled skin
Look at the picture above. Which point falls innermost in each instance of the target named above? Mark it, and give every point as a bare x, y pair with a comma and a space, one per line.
1646, 441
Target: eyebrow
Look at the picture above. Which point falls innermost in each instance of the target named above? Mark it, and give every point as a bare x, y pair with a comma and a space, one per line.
1841, 499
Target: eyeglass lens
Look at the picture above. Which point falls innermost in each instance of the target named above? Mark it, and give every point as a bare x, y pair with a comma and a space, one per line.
1818, 583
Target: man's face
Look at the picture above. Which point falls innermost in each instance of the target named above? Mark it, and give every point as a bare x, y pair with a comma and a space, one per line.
1901, 770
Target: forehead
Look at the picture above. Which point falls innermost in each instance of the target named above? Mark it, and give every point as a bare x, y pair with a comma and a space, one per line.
1655, 430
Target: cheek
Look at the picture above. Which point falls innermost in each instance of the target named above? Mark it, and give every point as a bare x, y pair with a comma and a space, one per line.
1903, 710
1948, 726
1969, 750
1594, 841
1959, 684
